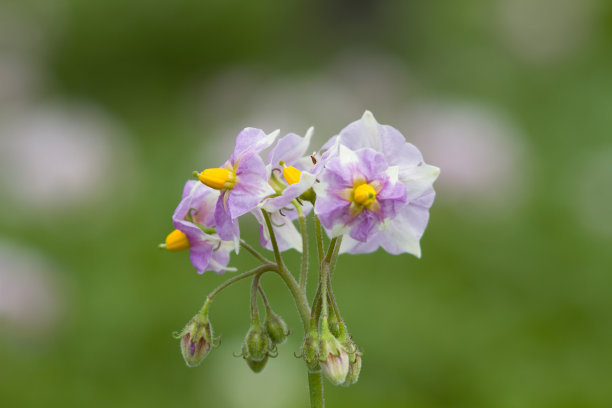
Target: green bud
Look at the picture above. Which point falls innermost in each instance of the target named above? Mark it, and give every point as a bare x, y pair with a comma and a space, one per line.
257, 366
354, 369
333, 358
256, 344
310, 351
196, 340
276, 328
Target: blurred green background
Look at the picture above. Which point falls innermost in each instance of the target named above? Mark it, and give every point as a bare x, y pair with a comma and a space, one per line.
106, 107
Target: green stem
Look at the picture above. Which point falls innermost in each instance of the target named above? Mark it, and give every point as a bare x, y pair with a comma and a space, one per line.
324, 308
259, 270
254, 308
330, 250
304, 231
315, 381
334, 258
315, 385
277, 255
301, 302
254, 252
265, 299
332, 254
319, 239
316, 308
332, 299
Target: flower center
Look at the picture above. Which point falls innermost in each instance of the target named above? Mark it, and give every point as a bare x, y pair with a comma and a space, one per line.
219, 179
177, 241
292, 175
364, 194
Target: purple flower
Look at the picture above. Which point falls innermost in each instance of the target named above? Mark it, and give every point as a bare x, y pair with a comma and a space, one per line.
295, 169
290, 180
194, 221
401, 232
242, 181
357, 193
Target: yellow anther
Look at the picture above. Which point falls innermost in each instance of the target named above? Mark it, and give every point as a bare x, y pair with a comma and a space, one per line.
364, 194
292, 175
219, 179
177, 241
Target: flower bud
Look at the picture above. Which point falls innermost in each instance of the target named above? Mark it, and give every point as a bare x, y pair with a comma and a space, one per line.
196, 340
257, 366
256, 344
310, 351
334, 359
276, 328
353, 372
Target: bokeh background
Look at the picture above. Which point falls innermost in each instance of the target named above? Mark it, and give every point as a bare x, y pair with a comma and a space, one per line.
106, 107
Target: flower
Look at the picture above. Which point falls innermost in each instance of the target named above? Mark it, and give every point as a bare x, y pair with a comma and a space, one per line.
286, 158
357, 192
241, 180
401, 231
194, 222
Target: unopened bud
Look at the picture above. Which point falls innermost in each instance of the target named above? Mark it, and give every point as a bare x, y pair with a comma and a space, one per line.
257, 366
256, 343
310, 351
196, 340
334, 359
354, 369
276, 328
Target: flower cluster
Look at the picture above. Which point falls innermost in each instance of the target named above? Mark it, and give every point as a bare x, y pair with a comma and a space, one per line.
367, 187
367, 183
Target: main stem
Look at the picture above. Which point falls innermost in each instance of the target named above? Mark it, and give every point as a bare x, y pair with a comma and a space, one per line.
315, 380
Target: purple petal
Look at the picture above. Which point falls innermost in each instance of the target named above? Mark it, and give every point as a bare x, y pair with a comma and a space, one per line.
220, 258
225, 226
201, 199
333, 212
200, 256
363, 225
371, 164
251, 141
290, 149
251, 187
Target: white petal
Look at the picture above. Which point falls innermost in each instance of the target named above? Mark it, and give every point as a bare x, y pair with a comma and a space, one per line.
418, 179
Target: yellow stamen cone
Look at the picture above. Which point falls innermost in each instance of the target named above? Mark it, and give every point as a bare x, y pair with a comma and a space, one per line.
177, 241
218, 178
364, 194
292, 175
